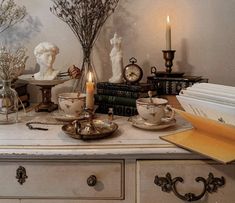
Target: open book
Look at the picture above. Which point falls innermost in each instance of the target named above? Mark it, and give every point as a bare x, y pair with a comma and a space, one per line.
211, 138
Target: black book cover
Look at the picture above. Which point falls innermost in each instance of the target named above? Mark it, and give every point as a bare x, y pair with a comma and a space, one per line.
172, 86
114, 100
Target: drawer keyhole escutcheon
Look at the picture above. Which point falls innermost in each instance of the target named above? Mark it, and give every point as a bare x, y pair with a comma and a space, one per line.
21, 174
211, 184
91, 181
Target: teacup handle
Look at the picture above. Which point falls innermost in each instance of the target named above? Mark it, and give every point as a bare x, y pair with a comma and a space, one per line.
167, 109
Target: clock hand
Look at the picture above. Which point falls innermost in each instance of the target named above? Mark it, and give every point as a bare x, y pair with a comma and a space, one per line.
132, 74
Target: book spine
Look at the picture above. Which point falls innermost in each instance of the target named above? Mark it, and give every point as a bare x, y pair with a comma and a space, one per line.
142, 87
121, 93
119, 110
179, 79
172, 87
115, 100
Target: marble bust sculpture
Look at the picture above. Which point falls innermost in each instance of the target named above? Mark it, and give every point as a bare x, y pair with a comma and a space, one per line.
116, 57
45, 54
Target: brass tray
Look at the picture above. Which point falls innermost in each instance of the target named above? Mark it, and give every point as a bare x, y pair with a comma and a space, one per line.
103, 129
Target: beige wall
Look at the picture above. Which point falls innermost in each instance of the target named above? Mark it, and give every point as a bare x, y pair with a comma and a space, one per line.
203, 35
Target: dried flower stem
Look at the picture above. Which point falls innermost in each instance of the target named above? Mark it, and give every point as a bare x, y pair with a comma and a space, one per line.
12, 64
10, 14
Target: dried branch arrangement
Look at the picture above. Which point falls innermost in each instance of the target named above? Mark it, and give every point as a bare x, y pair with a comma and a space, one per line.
85, 18
12, 64
10, 14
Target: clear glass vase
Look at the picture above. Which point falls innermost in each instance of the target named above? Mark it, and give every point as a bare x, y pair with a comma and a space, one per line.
87, 66
8, 104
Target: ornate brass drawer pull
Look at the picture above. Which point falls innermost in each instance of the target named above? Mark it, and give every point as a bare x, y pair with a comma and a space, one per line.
211, 184
21, 174
91, 181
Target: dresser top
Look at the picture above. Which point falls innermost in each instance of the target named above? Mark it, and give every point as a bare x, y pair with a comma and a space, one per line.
127, 140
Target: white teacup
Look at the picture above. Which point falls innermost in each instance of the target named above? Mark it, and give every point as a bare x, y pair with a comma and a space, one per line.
155, 112
71, 104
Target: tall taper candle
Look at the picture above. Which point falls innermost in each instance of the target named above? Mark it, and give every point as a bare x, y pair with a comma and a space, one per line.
168, 34
90, 92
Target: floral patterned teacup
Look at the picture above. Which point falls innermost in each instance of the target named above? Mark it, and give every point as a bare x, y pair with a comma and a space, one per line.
71, 104
155, 111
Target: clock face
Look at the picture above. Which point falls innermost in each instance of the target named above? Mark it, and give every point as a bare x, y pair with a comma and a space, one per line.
133, 73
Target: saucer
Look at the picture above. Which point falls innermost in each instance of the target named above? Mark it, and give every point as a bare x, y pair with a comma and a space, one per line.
66, 118
138, 122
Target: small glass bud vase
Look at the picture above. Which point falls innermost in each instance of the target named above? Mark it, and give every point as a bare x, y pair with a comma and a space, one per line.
8, 104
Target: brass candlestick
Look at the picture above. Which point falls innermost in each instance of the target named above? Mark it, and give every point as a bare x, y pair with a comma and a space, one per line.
168, 55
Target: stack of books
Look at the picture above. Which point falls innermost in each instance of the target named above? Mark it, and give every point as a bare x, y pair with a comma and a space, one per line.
173, 85
120, 96
23, 95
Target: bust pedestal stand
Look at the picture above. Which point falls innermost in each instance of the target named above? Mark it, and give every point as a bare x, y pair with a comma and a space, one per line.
46, 105
45, 85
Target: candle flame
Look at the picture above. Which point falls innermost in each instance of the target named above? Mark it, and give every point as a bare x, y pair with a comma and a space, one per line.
168, 19
89, 77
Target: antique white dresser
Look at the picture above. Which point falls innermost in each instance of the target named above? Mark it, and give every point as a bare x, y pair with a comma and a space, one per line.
131, 166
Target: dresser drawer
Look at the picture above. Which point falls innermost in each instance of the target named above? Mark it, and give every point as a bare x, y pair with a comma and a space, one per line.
63, 179
151, 172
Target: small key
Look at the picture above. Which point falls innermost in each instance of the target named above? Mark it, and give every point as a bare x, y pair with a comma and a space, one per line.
35, 128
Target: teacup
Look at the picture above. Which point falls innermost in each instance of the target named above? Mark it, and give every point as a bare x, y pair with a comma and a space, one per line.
71, 104
156, 111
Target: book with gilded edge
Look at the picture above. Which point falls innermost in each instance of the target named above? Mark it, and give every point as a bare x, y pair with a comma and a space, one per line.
122, 93
115, 100
119, 110
140, 87
172, 85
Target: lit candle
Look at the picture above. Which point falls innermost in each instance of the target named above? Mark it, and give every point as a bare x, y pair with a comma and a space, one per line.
90, 92
168, 34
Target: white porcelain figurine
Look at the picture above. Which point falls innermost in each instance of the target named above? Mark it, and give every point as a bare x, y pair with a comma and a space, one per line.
116, 57
45, 54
